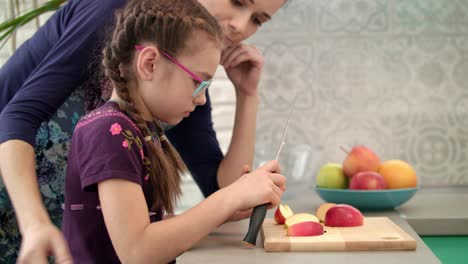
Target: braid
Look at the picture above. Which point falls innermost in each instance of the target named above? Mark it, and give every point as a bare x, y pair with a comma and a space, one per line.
168, 24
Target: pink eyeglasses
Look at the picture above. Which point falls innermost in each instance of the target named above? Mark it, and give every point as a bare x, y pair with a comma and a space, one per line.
203, 84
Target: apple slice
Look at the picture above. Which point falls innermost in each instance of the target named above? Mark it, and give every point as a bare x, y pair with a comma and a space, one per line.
307, 228
282, 212
322, 211
343, 215
301, 217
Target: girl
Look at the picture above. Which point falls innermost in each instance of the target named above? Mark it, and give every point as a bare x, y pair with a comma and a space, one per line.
123, 174
55, 64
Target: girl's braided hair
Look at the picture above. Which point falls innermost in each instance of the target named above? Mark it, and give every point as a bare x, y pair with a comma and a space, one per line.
168, 24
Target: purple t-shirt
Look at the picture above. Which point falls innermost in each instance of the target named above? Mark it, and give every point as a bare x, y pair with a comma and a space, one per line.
106, 144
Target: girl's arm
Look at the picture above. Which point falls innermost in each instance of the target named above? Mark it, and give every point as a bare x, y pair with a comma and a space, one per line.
136, 240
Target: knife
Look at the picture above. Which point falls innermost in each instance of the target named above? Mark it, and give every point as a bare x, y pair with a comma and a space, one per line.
259, 211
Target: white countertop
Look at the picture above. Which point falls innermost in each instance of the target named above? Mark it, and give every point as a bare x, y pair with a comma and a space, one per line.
437, 211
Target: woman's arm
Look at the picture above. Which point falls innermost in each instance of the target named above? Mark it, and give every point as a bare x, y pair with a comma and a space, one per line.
243, 64
39, 234
242, 145
18, 159
56, 59
136, 240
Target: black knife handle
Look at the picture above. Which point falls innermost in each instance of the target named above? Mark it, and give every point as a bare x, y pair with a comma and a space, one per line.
256, 221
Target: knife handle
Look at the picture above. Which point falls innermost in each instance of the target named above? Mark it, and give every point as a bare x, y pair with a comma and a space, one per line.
256, 221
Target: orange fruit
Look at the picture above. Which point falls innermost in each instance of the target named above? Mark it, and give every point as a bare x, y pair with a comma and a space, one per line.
398, 174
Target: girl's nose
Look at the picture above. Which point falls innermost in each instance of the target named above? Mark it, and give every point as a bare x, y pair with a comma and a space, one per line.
200, 99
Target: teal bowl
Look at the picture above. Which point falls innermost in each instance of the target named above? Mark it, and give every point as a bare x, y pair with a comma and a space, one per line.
367, 199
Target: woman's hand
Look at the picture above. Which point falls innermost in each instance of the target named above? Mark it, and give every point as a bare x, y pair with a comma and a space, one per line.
243, 64
263, 186
41, 241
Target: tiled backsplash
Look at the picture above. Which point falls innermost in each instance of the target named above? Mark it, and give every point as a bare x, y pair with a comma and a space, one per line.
392, 75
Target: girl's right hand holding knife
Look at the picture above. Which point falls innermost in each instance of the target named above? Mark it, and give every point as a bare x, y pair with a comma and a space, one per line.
265, 185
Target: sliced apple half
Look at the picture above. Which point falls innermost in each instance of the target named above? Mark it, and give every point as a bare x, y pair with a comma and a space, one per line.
322, 211
298, 218
308, 228
343, 215
282, 212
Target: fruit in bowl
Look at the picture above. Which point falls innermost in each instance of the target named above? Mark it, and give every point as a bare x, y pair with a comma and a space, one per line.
373, 185
360, 158
398, 174
331, 175
367, 180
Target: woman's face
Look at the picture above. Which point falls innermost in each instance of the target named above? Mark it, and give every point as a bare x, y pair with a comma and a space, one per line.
241, 18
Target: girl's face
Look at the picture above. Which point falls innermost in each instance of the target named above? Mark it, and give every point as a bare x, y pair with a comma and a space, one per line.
241, 18
168, 94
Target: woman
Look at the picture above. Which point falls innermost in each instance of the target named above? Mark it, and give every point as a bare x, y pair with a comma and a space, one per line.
50, 68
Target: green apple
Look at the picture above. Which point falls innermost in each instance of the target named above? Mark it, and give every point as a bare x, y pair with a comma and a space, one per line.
331, 176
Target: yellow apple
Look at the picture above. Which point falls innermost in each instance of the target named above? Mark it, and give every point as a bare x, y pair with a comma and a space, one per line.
282, 212
322, 210
298, 218
331, 176
308, 228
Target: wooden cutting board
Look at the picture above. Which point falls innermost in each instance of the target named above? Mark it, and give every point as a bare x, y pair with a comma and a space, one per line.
377, 233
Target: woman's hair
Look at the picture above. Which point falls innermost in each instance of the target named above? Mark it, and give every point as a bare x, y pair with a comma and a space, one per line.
168, 24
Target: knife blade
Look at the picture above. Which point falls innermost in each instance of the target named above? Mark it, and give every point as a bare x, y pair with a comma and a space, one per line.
283, 136
259, 212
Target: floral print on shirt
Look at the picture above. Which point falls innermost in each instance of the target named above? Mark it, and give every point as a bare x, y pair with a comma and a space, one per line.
130, 139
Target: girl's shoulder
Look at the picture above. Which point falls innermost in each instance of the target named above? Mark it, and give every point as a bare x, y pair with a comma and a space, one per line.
107, 117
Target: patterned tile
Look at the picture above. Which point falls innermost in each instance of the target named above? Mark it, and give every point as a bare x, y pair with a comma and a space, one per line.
402, 95
431, 16
359, 16
288, 72
296, 17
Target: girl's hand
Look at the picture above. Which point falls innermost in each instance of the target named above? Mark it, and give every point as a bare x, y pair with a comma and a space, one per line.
264, 185
41, 241
243, 64
240, 215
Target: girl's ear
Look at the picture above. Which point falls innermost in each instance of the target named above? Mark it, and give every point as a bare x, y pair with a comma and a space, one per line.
146, 63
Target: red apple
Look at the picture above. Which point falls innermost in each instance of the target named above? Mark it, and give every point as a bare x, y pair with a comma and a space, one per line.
359, 159
308, 228
322, 210
282, 212
367, 180
297, 218
343, 215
